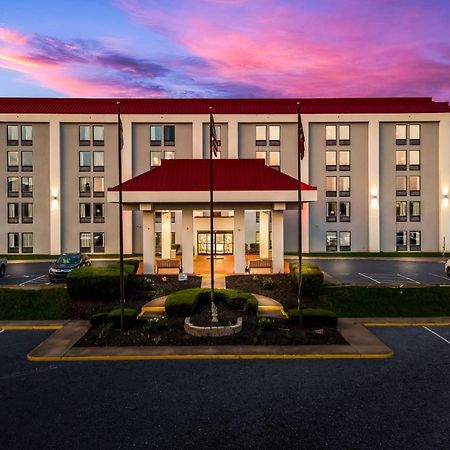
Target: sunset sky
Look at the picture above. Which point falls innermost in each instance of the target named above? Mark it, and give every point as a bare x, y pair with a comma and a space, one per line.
225, 48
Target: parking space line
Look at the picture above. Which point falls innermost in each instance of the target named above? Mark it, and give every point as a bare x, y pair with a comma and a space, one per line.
407, 278
439, 276
438, 335
370, 278
37, 280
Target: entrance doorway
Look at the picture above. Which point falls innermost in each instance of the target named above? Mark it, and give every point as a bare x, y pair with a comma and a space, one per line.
223, 243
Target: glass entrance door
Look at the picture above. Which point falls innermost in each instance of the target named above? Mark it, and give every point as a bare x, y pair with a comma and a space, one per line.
223, 243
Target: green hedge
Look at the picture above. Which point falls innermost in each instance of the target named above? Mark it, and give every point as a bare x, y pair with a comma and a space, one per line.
312, 277
129, 262
97, 283
314, 317
186, 302
129, 315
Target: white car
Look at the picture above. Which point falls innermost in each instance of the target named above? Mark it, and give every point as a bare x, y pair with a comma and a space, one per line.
3, 264
447, 267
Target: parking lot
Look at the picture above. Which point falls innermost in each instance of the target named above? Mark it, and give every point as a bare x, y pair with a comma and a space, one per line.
386, 272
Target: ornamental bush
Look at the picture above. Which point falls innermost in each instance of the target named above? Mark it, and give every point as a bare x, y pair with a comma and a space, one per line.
313, 317
129, 316
312, 277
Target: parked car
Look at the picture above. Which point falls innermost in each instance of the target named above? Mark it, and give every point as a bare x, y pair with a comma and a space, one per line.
65, 263
447, 267
3, 264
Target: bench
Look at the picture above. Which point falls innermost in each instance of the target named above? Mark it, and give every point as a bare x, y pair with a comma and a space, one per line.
259, 264
168, 264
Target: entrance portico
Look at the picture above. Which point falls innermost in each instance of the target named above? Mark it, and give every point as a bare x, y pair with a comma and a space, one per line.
240, 185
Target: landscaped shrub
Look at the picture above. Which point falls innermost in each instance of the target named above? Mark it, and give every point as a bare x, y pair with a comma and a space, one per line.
141, 283
187, 302
267, 283
266, 324
314, 317
98, 283
134, 263
312, 277
99, 318
155, 324
129, 317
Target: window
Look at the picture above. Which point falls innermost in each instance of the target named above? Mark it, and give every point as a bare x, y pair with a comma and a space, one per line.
13, 186
414, 160
13, 161
85, 242
85, 212
99, 161
169, 134
344, 186
99, 242
257, 237
344, 134
330, 160
414, 211
155, 159
345, 238
414, 185
99, 134
13, 213
414, 134
261, 155
13, 242
158, 217
400, 159
27, 161
261, 135
26, 132
344, 160
12, 135
330, 135
155, 134
401, 241
274, 134
400, 134
84, 134
27, 187
99, 216
400, 211
27, 212
344, 211
331, 211
331, 241
99, 187
414, 240
331, 183
170, 155
27, 242
85, 186
274, 160
85, 161
400, 185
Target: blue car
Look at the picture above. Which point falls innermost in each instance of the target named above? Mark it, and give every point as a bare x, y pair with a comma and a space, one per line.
65, 263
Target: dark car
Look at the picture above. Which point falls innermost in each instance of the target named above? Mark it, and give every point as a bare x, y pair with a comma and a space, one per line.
65, 263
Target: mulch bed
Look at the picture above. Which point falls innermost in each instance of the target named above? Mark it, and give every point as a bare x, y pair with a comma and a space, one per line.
283, 333
284, 290
140, 293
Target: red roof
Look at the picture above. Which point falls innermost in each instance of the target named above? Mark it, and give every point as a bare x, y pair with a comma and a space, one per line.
221, 106
229, 175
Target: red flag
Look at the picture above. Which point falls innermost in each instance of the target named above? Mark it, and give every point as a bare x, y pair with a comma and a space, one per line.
213, 136
301, 138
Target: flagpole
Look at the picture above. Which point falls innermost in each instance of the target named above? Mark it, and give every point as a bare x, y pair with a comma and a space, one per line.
211, 216
122, 284
299, 207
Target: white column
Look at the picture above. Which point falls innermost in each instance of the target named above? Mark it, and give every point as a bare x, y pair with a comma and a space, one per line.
187, 240
374, 186
197, 138
305, 227
239, 241
264, 234
166, 238
277, 241
444, 184
233, 141
148, 241
127, 173
55, 187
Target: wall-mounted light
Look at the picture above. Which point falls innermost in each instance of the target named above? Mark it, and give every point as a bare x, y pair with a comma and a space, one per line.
374, 200
445, 200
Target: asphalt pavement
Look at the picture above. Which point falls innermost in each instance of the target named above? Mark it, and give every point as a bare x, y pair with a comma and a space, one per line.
402, 402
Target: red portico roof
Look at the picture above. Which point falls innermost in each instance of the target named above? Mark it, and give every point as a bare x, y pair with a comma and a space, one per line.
229, 175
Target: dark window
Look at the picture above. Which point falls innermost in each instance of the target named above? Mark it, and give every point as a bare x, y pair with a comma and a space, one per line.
401, 241
85, 186
344, 211
13, 213
27, 187
27, 212
331, 211
400, 211
169, 134
13, 186
85, 212
99, 242
99, 216
13, 242
414, 240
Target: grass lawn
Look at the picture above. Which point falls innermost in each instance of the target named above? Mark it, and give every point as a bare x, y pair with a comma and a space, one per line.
386, 302
44, 304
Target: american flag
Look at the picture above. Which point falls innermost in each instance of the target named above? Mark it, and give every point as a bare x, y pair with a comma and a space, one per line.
301, 138
212, 131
